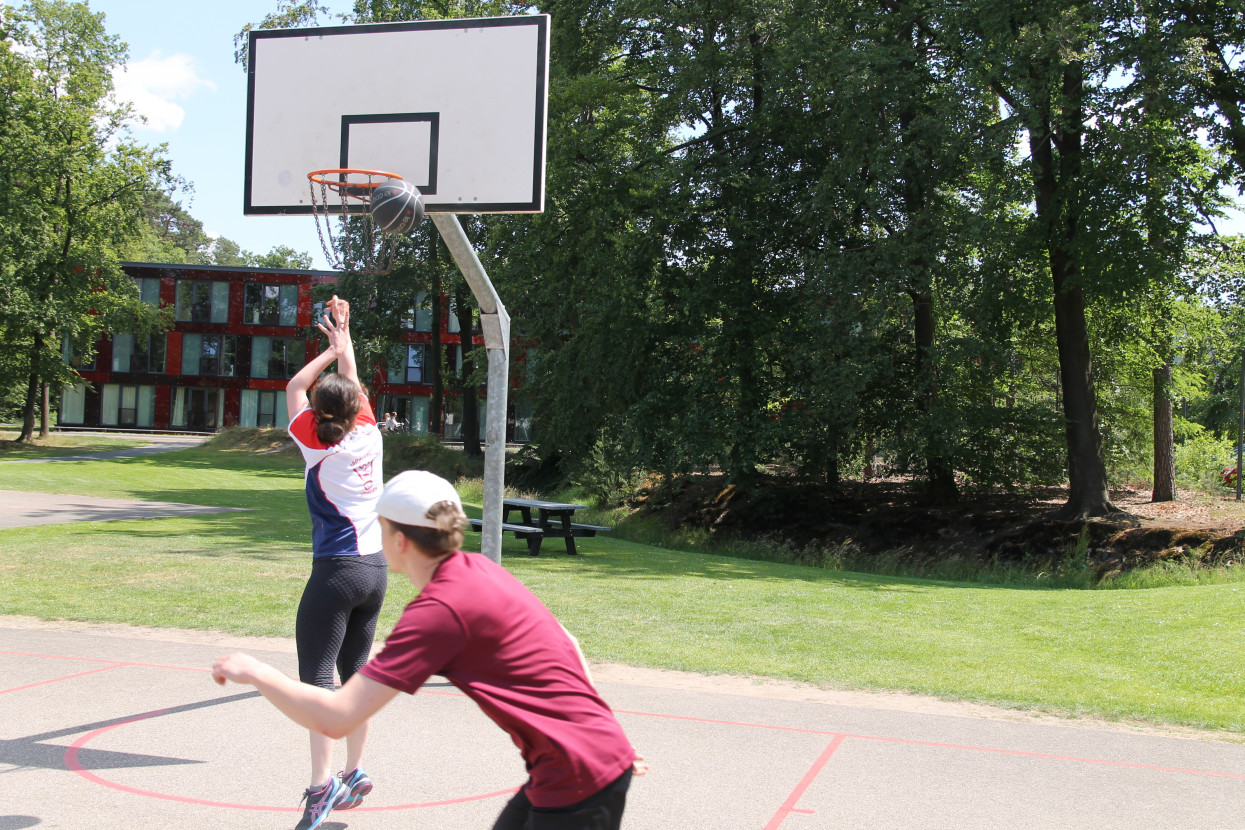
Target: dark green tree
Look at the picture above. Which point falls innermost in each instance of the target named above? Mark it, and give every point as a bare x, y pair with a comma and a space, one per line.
72, 192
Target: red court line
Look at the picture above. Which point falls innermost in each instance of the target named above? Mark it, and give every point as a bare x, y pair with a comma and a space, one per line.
729, 723
74, 764
113, 663
1018, 752
788, 806
1015, 752
1050, 757
59, 679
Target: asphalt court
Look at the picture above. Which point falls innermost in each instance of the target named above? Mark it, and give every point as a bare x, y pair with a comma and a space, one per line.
132, 727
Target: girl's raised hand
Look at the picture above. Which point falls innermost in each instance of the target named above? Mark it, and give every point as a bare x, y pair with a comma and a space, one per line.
337, 313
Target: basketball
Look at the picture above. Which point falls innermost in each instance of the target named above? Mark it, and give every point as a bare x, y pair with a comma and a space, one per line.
396, 207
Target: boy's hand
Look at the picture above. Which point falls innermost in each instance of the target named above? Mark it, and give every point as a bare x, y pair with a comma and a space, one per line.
240, 668
639, 766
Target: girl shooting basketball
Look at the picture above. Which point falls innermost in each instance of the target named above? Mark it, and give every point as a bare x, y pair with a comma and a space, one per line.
336, 432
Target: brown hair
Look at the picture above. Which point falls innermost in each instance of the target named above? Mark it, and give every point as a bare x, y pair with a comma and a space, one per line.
442, 540
335, 400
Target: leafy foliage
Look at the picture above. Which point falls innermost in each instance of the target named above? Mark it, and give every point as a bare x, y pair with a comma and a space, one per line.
959, 239
72, 192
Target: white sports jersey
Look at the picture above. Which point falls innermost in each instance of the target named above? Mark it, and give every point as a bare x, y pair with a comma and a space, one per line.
343, 483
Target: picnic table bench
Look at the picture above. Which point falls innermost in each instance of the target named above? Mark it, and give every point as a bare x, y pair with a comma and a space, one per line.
532, 535
553, 518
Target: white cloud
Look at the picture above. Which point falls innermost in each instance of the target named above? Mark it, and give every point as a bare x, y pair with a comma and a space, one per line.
153, 86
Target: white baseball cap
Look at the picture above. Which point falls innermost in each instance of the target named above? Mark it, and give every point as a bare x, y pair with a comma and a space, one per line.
409, 496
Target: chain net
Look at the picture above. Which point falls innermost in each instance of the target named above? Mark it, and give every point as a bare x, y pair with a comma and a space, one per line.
357, 246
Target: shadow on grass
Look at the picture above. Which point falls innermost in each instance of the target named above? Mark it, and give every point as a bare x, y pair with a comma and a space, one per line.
264, 533
650, 563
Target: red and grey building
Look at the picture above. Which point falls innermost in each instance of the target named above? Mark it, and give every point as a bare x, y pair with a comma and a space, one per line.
239, 334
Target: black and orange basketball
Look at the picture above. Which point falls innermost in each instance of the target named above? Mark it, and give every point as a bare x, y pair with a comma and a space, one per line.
396, 207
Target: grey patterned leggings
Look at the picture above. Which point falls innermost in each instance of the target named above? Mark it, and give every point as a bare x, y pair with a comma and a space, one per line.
337, 616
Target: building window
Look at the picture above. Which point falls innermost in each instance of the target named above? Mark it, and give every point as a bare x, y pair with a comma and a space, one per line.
409, 365
451, 322
202, 301
276, 357
198, 408
412, 411
270, 305
74, 359
149, 290
453, 427
418, 318
73, 404
523, 422
263, 408
127, 406
130, 354
210, 354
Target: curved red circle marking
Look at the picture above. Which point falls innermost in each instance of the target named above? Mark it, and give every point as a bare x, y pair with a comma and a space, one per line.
72, 763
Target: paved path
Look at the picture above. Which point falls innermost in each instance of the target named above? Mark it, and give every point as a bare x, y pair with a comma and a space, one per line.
23, 509
160, 443
124, 728
20, 509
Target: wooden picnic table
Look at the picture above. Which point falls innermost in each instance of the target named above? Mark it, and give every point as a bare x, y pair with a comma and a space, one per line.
554, 518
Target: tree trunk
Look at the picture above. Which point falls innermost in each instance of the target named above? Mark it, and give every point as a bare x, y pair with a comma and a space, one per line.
45, 423
28, 410
471, 404
32, 392
940, 486
1158, 185
749, 403
1056, 198
1164, 439
1087, 475
741, 309
830, 467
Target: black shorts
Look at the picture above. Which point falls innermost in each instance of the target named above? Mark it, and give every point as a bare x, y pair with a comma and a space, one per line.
337, 616
601, 811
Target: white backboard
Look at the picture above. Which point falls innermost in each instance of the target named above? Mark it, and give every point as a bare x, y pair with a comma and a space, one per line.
455, 107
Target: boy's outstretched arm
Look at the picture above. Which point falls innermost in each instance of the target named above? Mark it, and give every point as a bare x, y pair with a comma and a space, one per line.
333, 714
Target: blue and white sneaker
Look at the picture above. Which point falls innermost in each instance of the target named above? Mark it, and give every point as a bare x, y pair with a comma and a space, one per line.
320, 802
354, 787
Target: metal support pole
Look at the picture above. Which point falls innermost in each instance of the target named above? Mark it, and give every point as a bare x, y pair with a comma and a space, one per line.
496, 325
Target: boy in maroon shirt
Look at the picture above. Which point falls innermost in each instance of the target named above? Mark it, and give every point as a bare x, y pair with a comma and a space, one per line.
480, 628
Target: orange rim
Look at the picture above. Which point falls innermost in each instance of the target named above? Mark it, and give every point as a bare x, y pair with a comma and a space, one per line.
319, 177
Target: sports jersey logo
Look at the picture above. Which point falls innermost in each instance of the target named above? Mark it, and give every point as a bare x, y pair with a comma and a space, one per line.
363, 469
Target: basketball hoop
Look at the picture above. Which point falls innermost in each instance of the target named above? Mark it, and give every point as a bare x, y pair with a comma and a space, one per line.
348, 192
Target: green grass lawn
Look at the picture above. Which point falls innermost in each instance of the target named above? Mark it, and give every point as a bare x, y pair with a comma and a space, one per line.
1166, 655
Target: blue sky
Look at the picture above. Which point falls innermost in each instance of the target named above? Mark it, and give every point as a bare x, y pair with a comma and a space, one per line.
181, 75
